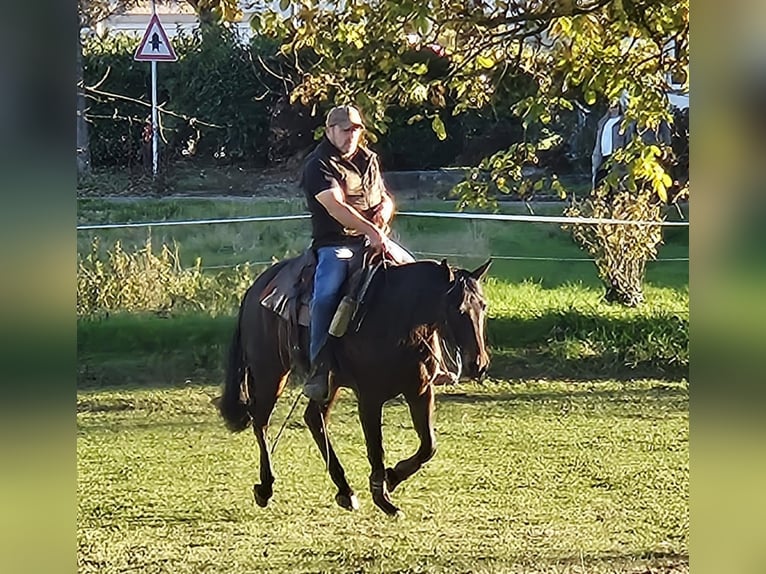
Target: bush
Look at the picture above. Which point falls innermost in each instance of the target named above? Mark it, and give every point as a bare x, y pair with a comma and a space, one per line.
143, 281
218, 101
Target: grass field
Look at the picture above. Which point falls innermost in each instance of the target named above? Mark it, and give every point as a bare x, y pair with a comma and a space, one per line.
461, 242
565, 461
546, 316
537, 477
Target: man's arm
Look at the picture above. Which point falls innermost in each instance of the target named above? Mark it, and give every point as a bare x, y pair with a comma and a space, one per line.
387, 208
333, 201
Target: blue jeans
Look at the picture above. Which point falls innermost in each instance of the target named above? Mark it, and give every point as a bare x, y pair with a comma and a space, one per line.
331, 271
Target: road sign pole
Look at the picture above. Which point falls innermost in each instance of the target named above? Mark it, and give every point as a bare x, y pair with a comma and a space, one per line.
154, 47
154, 109
155, 132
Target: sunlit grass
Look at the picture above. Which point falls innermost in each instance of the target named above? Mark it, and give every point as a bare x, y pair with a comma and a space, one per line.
529, 477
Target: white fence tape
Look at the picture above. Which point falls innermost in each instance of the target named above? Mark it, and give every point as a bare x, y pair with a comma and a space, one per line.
437, 214
190, 222
523, 258
539, 218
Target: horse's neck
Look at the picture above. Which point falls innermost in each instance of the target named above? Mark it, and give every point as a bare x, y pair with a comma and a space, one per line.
415, 293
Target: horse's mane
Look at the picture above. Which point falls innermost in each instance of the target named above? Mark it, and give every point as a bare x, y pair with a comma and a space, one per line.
406, 300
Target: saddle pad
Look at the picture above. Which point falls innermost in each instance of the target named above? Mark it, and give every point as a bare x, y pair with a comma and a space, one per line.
288, 294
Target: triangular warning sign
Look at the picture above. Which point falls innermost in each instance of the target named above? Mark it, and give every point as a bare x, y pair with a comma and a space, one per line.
155, 47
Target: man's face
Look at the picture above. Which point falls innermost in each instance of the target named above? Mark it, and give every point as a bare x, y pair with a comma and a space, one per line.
614, 110
345, 139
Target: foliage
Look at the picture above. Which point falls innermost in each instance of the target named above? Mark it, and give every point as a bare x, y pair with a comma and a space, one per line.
443, 58
556, 476
216, 12
143, 281
446, 57
91, 12
533, 331
214, 103
620, 251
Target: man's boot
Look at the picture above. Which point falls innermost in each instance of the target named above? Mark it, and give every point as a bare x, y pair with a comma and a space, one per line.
317, 385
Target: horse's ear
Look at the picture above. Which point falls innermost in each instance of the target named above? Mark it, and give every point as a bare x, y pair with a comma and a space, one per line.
448, 269
481, 271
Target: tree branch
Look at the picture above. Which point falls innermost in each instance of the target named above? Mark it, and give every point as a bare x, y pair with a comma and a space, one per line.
190, 119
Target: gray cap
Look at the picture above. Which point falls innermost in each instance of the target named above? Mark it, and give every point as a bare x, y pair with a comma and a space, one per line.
345, 117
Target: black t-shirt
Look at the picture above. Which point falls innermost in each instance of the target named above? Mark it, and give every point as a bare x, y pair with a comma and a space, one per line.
358, 178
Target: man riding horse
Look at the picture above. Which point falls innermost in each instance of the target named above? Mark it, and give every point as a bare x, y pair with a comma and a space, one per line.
413, 316
349, 207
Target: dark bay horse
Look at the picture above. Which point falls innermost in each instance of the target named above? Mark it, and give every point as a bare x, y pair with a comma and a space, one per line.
390, 354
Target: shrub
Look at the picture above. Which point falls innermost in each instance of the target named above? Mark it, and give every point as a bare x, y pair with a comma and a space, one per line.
218, 102
143, 281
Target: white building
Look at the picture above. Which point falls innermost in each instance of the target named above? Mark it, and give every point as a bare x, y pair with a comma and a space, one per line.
176, 17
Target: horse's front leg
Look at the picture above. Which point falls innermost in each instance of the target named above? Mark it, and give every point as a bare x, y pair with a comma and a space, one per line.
315, 417
421, 410
370, 415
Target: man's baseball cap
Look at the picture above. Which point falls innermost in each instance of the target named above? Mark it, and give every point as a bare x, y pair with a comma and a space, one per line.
345, 117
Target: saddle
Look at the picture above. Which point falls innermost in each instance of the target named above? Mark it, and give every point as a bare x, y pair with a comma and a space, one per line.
289, 293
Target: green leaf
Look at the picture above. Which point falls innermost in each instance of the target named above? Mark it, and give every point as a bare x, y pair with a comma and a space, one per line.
590, 97
413, 119
284, 5
485, 62
438, 126
661, 190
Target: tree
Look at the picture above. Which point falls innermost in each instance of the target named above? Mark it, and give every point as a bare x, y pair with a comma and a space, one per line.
215, 12
91, 13
446, 57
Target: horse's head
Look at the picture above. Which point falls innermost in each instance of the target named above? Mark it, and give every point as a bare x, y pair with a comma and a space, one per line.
467, 317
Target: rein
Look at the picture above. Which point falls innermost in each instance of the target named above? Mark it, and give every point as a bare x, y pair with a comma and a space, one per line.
449, 341
284, 424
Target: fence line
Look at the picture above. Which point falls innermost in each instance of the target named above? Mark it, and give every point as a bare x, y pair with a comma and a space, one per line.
437, 214
466, 256
190, 222
541, 218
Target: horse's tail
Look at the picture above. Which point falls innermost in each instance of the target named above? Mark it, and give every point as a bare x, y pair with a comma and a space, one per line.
230, 405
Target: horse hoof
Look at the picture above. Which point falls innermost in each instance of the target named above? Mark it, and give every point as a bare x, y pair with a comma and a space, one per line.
347, 501
386, 506
261, 495
393, 512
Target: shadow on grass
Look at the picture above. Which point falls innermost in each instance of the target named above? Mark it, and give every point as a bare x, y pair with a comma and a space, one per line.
644, 563
155, 351
626, 394
573, 345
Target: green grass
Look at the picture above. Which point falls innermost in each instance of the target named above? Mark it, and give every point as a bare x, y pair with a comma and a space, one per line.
566, 331
530, 477
466, 243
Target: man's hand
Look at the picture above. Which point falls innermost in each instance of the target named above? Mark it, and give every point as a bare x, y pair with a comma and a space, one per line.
379, 220
378, 241
333, 201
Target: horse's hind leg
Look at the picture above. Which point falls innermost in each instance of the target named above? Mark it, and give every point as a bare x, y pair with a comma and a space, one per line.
264, 396
421, 411
314, 417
